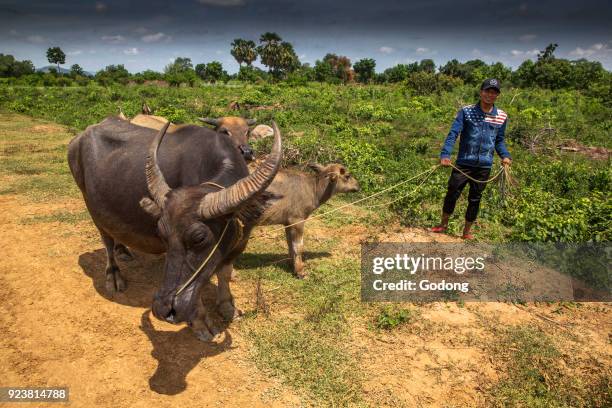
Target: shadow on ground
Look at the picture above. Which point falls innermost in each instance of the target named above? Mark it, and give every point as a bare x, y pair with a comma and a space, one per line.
177, 353
143, 274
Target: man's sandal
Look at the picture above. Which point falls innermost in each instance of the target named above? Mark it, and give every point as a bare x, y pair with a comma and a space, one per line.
438, 229
467, 236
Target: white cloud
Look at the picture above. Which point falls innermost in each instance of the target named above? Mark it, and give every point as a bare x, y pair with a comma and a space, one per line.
386, 50
141, 30
422, 50
151, 38
101, 7
476, 52
528, 53
131, 51
75, 52
222, 3
114, 39
598, 49
13, 32
527, 37
36, 39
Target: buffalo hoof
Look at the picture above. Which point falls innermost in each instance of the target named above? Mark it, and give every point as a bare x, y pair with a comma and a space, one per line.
228, 311
122, 253
204, 334
114, 282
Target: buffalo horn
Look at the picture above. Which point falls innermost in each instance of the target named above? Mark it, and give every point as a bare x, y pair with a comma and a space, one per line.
230, 199
155, 179
210, 121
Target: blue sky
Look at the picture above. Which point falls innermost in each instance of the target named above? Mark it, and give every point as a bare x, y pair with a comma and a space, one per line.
149, 34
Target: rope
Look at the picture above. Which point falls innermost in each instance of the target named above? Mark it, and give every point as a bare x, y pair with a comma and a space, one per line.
478, 181
199, 270
358, 201
404, 196
504, 171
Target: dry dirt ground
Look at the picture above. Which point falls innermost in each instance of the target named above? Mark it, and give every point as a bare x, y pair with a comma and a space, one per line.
60, 328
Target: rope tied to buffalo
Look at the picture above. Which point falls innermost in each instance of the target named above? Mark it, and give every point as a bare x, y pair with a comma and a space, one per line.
503, 174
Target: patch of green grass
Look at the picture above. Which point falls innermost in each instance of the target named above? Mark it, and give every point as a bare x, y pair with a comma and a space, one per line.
66, 217
390, 317
537, 375
42, 187
296, 352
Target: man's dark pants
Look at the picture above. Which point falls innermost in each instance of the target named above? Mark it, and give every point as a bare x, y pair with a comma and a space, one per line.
457, 181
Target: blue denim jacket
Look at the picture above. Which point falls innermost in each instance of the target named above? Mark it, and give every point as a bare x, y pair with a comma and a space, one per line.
480, 133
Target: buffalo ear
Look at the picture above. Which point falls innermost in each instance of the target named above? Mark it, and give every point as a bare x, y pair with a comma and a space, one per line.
316, 167
251, 122
150, 207
333, 177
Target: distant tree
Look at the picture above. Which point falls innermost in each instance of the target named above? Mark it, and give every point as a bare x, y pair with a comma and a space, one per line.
244, 51
524, 75
397, 73
55, 55
113, 73
426, 83
180, 65
364, 69
251, 74
340, 66
150, 75
211, 72
452, 68
180, 72
548, 53
10, 67
587, 73
277, 55
324, 72
75, 70
427, 65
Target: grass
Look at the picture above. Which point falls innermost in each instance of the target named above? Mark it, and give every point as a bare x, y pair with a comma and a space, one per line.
66, 217
296, 352
34, 159
538, 374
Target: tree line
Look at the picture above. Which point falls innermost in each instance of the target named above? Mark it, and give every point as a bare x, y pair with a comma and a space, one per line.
283, 64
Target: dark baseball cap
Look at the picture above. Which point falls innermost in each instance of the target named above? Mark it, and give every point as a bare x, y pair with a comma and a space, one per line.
490, 83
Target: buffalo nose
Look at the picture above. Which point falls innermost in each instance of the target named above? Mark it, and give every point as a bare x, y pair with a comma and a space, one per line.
247, 152
163, 310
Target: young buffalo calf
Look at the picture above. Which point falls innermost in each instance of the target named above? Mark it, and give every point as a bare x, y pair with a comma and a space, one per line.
299, 195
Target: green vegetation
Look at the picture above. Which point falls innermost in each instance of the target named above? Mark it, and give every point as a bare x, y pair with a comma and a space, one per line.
389, 133
392, 316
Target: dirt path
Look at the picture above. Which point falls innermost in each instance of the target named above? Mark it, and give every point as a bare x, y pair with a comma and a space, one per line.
59, 327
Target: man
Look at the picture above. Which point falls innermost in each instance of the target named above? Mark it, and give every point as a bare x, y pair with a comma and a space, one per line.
482, 127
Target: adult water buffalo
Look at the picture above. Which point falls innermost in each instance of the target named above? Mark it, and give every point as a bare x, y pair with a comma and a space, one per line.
194, 200
237, 129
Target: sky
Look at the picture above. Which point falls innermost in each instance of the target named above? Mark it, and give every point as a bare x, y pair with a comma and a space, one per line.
151, 33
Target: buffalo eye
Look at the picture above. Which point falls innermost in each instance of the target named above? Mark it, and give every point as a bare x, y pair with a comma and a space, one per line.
195, 236
342, 170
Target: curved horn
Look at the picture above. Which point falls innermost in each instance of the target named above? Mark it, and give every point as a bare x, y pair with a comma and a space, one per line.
251, 122
210, 121
155, 179
228, 200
